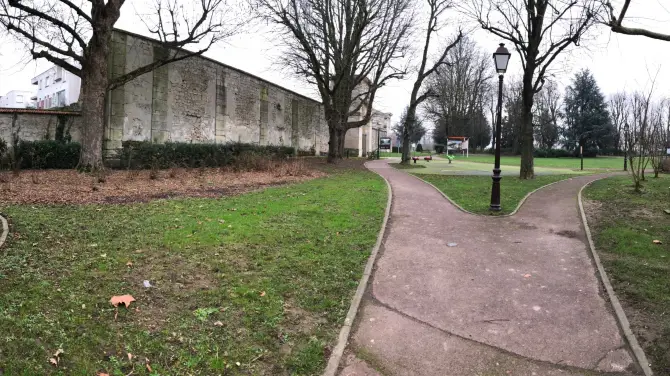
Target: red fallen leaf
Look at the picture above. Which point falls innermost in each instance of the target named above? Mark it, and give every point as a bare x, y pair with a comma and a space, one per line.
122, 299
100, 373
657, 242
53, 361
129, 264
262, 293
526, 275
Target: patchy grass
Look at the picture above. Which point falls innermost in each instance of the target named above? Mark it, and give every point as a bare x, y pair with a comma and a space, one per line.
610, 163
473, 193
409, 166
624, 225
253, 284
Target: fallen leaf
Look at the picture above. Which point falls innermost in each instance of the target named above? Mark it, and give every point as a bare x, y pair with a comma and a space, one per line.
130, 356
222, 221
262, 293
58, 352
657, 242
122, 299
146, 360
102, 374
53, 361
129, 264
218, 323
526, 275
667, 211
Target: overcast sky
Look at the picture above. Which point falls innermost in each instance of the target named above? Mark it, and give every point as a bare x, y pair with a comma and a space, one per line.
618, 62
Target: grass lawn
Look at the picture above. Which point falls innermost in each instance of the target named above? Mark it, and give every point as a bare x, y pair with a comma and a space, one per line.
615, 163
473, 193
624, 225
257, 284
398, 155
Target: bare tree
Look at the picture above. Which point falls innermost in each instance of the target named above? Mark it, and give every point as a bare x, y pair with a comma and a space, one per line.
76, 35
540, 31
348, 49
615, 22
640, 136
658, 137
436, 9
548, 112
461, 92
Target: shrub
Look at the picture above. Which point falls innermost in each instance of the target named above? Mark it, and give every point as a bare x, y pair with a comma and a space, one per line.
3, 147
148, 155
439, 149
48, 154
665, 165
350, 152
395, 149
552, 153
419, 148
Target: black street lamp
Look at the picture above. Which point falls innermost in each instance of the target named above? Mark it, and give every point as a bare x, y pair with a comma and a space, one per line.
500, 58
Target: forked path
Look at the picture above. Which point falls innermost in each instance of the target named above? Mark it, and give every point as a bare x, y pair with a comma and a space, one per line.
515, 296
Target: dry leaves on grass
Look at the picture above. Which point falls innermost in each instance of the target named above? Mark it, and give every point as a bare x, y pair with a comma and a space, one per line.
121, 186
122, 299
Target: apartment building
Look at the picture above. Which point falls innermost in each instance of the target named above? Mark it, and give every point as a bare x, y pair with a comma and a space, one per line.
16, 99
56, 87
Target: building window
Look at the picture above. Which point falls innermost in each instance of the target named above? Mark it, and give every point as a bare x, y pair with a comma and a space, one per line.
19, 99
61, 100
46, 82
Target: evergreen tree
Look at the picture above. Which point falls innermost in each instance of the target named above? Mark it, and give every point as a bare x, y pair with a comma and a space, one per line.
416, 128
587, 120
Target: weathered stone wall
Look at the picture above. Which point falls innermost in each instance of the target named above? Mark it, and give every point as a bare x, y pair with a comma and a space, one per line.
200, 100
34, 125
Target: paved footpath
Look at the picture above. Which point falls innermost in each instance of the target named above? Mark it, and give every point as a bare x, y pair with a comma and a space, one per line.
515, 296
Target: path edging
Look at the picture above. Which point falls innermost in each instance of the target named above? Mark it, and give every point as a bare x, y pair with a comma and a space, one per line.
624, 324
5, 230
343, 338
518, 207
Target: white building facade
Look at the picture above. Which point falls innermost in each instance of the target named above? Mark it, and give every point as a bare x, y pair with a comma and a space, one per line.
16, 99
56, 87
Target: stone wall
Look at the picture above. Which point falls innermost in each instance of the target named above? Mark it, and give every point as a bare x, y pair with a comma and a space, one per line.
201, 100
34, 125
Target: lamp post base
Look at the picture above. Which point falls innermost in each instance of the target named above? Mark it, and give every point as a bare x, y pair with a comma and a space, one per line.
495, 190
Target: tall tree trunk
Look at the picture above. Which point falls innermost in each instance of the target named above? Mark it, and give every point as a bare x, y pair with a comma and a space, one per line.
94, 81
527, 170
334, 152
410, 120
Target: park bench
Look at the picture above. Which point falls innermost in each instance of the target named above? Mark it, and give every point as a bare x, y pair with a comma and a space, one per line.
428, 158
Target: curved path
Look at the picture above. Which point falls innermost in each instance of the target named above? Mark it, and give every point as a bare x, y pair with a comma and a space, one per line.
515, 296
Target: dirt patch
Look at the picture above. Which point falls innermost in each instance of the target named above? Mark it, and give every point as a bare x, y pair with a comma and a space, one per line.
173, 281
567, 233
121, 186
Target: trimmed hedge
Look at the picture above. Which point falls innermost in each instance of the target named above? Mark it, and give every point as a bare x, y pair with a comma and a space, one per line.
552, 153
46, 154
145, 154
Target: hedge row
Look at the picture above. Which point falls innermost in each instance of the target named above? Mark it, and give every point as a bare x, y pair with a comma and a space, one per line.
48, 154
143, 154
45, 154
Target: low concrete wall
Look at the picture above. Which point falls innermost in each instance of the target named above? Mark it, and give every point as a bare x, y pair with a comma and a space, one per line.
31, 125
